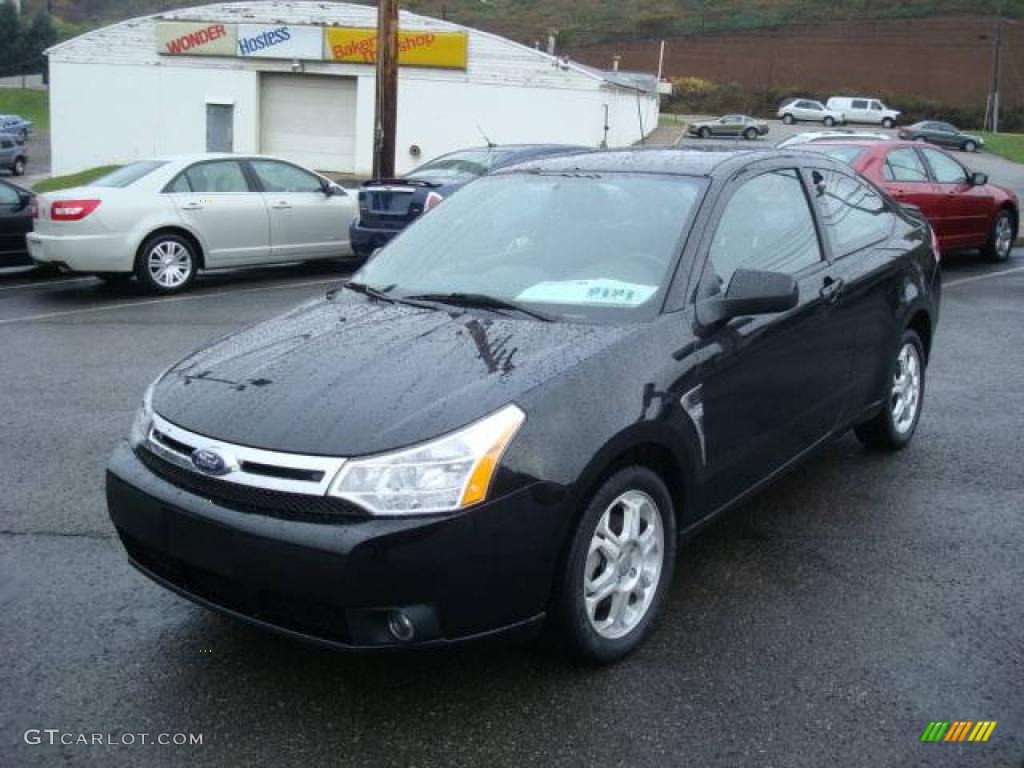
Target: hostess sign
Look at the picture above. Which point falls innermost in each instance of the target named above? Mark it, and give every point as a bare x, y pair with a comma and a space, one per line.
280, 42
445, 50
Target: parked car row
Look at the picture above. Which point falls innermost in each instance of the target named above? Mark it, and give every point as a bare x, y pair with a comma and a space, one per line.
839, 110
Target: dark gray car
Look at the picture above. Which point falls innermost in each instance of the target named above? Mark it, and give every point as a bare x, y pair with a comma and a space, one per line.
943, 134
729, 125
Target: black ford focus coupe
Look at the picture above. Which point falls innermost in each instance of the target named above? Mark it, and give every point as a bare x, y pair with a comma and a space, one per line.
518, 408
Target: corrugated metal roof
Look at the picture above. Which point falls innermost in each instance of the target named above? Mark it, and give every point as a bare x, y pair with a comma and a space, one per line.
493, 59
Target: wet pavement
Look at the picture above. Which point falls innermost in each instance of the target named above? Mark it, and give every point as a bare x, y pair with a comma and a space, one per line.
826, 622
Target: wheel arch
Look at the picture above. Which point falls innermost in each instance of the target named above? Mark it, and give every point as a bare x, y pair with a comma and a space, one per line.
1007, 205
174, 229
921, 323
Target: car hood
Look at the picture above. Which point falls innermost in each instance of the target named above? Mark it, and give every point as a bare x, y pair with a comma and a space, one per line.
354, 376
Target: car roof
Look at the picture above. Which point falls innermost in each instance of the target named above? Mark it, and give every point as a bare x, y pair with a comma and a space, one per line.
686, 160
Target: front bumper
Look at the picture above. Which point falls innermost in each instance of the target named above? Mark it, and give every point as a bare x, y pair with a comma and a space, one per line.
458, 577
81, 253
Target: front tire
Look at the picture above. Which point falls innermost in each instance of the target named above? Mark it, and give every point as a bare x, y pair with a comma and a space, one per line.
18, 169
619, 567
166, 263
894, 426
788, 119
750, 134
829, 122
704, 133
970, 146
1000, 239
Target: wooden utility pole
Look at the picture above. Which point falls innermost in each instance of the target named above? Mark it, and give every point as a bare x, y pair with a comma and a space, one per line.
386, 120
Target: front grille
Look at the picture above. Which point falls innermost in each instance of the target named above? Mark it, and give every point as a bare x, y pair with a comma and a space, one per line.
298, 615
247, 498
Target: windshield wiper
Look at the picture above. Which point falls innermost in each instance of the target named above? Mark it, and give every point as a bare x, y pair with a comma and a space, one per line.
383, 295
483, 301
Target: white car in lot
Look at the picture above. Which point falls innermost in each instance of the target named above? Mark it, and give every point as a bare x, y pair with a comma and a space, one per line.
162, 220
808, 110
864, 109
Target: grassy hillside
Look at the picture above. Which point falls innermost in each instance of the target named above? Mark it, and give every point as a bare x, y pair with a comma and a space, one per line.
577, 22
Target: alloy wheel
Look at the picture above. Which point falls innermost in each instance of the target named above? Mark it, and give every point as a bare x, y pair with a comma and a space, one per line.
906, 389
624, 565
1003, 237
169, 263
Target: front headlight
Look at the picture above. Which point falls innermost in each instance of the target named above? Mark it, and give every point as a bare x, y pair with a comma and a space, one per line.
143, 420
444, 475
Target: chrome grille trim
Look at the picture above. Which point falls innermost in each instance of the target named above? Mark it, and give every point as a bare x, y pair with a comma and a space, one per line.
241, 459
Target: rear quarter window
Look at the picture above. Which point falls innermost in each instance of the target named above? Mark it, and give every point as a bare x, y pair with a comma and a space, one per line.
854, 214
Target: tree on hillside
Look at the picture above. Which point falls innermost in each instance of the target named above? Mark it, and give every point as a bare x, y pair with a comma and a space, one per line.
37, 37
10, 32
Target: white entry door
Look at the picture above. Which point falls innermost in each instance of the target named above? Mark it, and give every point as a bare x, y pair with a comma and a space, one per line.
310, 120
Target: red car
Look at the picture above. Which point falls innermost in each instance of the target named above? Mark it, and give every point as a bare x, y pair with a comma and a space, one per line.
965, 211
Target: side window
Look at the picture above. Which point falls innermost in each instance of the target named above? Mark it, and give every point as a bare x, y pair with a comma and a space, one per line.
854, 214
859, 104
904, 165
281, 177
877, 106
219, 176
767, 225
179, 185
8, 196
7, 144
947, 170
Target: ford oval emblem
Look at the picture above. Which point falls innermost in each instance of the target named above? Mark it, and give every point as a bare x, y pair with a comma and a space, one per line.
210, 462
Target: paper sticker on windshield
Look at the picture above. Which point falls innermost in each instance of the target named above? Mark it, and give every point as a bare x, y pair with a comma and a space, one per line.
614, 292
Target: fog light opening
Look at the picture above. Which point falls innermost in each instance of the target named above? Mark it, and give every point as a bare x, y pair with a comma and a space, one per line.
401, 627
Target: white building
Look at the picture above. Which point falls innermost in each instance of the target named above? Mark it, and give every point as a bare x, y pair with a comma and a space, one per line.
297, 79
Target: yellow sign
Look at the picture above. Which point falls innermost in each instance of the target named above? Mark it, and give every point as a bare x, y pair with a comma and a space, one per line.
444, 50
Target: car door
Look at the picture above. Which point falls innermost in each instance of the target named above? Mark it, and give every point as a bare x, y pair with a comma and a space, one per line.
217, 201
305, 220
14, 223
857, 224
964, 209
772, 386
858, 111
944, 134
730, 125
906, 178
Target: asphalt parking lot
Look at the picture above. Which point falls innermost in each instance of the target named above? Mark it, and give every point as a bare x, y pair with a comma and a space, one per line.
824, 623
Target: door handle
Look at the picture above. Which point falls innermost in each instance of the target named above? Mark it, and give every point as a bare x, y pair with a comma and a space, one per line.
282, 206
832, 290
192, 207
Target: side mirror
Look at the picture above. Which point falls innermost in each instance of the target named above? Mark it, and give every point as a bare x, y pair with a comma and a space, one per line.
331, 189
751, 292
978, 179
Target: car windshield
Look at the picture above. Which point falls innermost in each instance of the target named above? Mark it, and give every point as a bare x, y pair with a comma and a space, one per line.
459, 166
846, 154
594, 247
128, 175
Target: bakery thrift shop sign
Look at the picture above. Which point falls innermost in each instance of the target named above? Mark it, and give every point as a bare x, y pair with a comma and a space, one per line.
444, 50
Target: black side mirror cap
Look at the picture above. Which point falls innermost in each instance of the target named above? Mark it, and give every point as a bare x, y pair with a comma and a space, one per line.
979, 179
751, 292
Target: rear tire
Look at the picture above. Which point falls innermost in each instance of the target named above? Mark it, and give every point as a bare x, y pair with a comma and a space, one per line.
894, 426
704, 133
889, 123
166, 263
788, 119
619, 567
1000, 239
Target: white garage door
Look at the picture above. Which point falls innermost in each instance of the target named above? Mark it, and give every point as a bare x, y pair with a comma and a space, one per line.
310, 120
